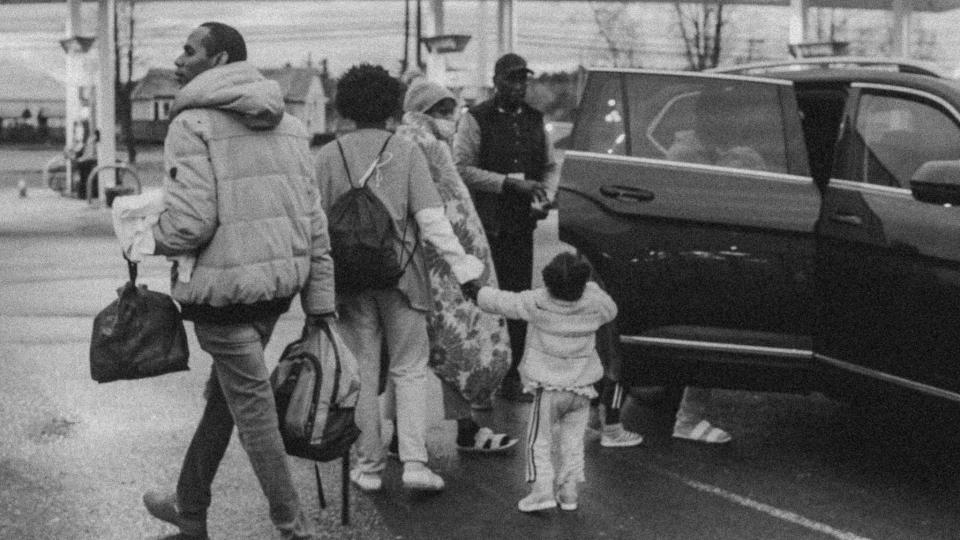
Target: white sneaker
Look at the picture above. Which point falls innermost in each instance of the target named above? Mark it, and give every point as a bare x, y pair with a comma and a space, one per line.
702, 431
567, 495
614, 436
366, 481
422, 479
536, 501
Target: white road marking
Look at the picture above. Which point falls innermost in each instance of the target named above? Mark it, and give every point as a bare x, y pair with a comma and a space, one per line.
747, 502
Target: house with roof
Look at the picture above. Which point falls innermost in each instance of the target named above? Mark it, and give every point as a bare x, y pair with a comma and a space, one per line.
303, 90
150, 104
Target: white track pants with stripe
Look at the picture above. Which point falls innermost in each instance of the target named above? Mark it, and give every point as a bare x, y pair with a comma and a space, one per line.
568, 412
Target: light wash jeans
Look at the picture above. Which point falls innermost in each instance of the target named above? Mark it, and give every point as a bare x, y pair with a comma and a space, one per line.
693, 405
570, 412
366, 319
239, 393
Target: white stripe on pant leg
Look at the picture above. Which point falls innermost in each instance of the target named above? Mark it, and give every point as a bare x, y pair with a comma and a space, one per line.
533, 427
617, 401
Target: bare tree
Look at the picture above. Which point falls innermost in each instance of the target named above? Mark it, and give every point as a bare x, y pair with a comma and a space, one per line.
701, 28
619, 31
832, 28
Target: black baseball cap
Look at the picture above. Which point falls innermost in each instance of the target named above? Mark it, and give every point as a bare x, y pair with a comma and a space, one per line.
510, 63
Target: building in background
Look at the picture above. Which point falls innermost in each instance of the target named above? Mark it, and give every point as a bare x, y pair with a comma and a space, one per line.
150, 105
304, 95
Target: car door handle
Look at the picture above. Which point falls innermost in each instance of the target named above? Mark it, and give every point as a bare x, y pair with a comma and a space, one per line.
626, 193
847, 219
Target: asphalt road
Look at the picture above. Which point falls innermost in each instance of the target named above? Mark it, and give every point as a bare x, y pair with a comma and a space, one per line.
76, 456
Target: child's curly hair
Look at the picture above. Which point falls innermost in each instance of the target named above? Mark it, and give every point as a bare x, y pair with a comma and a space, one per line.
566, 276
367, 93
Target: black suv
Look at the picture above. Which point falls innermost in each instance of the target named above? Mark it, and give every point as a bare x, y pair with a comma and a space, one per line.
794, 232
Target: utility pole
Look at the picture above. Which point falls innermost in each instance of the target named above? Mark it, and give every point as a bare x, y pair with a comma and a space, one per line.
128, 94
106, 111
406, 37
420, 64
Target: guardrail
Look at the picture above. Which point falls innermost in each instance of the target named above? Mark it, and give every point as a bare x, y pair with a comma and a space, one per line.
123, 169
49, 175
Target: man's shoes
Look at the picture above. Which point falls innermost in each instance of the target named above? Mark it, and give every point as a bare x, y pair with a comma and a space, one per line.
567, 496
421, 478
615, 436
512, 389
164, 508
703, 431
366, 481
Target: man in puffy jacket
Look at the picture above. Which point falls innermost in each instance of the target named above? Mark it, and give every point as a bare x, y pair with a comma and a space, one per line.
240, 203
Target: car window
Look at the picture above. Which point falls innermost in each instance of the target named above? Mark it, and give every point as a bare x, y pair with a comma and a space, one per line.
897, 135
600, 119
714, 121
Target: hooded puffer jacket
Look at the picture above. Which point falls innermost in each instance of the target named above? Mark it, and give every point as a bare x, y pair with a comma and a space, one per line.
239, 195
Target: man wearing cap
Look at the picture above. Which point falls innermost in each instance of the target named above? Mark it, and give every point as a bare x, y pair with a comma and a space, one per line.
505, 157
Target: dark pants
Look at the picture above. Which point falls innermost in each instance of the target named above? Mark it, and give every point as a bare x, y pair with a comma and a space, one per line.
512, 254
85, 167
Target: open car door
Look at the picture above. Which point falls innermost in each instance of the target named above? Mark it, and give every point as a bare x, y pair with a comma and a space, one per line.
692, 194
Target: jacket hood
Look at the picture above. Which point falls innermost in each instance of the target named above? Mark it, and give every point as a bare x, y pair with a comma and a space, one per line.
419, 126
238, 88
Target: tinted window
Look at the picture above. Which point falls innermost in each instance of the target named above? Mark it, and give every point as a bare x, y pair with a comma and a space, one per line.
897, 135
600, 117
711, 121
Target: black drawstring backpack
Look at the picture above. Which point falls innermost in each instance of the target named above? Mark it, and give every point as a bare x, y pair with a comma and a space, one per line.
363, 240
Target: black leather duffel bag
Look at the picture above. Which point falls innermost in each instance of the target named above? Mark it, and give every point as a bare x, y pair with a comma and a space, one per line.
140, 334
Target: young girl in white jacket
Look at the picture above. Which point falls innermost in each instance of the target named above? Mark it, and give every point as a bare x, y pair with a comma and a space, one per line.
559, 366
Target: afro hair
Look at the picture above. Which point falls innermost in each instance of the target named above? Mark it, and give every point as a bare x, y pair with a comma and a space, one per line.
368, 94
566, 276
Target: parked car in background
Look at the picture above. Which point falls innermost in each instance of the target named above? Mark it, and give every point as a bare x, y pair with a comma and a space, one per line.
796, 232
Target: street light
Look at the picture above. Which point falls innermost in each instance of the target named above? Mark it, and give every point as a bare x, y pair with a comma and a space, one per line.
446, 43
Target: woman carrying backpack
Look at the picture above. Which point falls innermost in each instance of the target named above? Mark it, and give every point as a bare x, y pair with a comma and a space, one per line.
396, 171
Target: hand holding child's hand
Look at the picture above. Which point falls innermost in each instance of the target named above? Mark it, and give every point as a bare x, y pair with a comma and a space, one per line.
470, 289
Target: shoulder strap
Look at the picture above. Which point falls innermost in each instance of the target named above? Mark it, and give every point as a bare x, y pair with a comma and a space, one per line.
377, 160
345, 166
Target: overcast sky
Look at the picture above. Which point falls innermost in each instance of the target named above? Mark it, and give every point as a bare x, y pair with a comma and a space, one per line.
554, 35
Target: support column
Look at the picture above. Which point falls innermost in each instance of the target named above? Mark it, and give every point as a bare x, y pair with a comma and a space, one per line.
798, 21
506, 27
106, 121
900, 33
436, 63
73, 71
483, 42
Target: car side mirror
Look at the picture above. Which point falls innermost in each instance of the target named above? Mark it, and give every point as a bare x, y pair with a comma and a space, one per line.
937, 182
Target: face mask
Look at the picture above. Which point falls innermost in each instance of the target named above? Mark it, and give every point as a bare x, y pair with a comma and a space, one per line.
446, 128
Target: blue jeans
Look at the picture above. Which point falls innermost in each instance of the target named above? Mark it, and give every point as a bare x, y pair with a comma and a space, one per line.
239, 393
